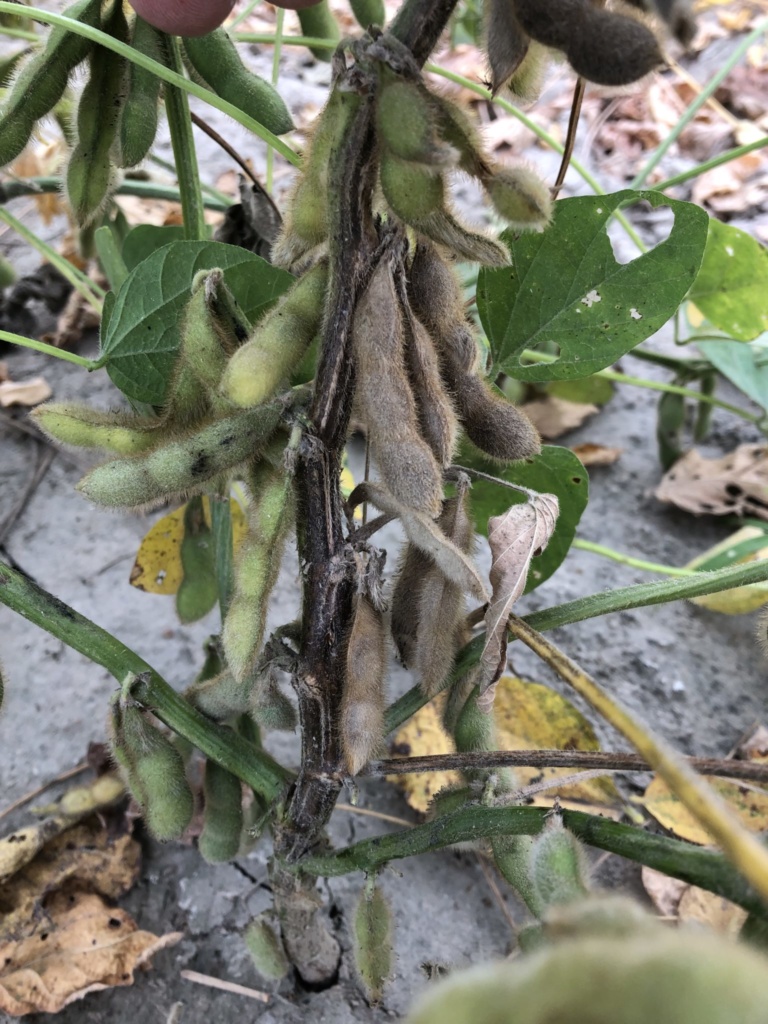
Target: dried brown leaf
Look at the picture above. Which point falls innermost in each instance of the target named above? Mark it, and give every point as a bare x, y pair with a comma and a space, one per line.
596, 454
553, 416
84, 946
25, 392
734, 484
77, 317
515, 537
687, 903
426, 535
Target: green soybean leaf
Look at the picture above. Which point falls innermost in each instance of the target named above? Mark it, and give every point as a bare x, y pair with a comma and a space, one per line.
731, 288
108, 251
554, 471
746, 366
564, 288
142, 337
143, 240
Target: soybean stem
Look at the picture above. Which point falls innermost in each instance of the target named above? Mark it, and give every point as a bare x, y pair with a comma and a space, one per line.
184, 155
275, 74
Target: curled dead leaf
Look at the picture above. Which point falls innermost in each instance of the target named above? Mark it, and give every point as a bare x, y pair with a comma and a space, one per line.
24, 392
734, 484
553, 416
515, 537
596, 454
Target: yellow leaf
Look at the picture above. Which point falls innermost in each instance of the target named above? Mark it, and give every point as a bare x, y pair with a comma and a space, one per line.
749, 805
739, 600
424, 734
157, 568
529, 716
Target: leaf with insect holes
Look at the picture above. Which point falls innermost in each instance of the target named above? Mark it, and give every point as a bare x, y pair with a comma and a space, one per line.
734, 484
731, 288
143, 334
565, 288
514, 539
427, 536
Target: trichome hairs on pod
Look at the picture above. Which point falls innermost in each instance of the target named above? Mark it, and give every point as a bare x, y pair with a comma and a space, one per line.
222, 814
364, 696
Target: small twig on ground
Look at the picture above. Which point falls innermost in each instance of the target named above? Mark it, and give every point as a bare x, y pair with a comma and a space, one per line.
225, 986
373, 814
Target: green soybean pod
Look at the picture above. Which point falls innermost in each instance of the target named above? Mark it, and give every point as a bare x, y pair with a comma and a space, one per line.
368, 12
182, 466
317, 22
372, 940
139, 116
215, 58
265, 362
222, 814
90, 174
266, 948
43, 79
198, 591
84, 427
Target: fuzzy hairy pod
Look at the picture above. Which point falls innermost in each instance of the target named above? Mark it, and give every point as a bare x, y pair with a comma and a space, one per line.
551, 22
680, 975
182, 466
437, 417
506, 44
527, 81
266, 949
440, 616
201, 348
153, 770
220, 697
139, 114
406, 597
265, 362
216, 60
219, 841
493, 424
436, 296
512, 855
558, 866
363, 701
412, 190
369, 12
475, 729
84, 427
91, 176
520, 197
611, 49
198, 590
405, 118
305, 228
442, 227
318, 22
228, 319
269, 706
43, 79
458, 130
386, 400
270, 517
372, 941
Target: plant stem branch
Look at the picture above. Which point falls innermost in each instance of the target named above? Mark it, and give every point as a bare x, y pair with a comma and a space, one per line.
636, 563
754, 771
184, 155
143, 189
49, 350
716, 161
254, 766
692, 864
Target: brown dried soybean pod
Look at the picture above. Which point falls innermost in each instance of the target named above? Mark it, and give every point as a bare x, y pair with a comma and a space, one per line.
611, 49
43, 79
90, 174
317, 22
506, 42
219, 841
215, 58
441, 602
409, 582
551, 22
139, 116
363, 701
404, 459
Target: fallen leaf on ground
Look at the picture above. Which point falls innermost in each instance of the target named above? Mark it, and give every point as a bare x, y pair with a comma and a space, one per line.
749, 805
21, 846
86, 857
158, 569
24, 392
150, 211
554, 416
40, 161
735, 484
596, 454
687, 903
734, 187
529, 716
84, 947
77, 317
739, 600
514, 537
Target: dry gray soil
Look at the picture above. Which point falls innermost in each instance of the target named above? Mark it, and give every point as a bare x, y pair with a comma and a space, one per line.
697, 677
